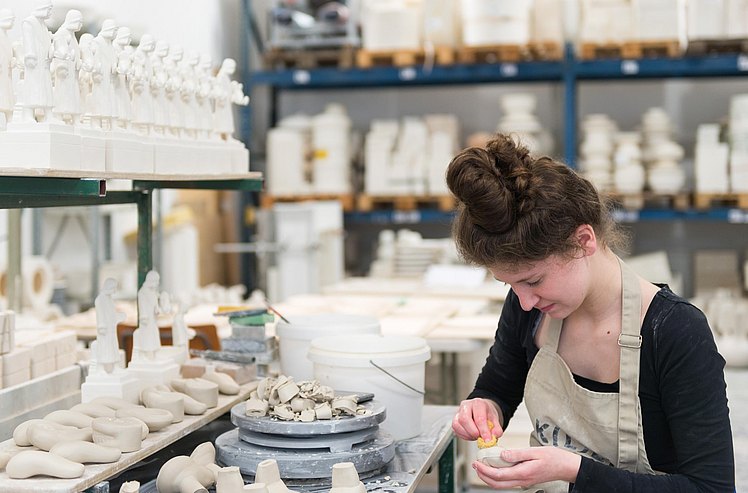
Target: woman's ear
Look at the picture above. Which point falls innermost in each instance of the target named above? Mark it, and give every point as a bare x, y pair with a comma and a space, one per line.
587, 239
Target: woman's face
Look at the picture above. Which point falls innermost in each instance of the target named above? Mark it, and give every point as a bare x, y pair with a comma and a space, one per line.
556, 286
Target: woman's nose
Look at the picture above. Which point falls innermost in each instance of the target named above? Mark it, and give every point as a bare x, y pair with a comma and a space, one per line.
527, 299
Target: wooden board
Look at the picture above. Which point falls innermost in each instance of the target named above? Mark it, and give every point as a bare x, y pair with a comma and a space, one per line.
592, 51
707, 200
703, 47
492, 53
636, 201
304, 58
95, 473
368, 203
441, 55
659, 48
546, 50
346, 200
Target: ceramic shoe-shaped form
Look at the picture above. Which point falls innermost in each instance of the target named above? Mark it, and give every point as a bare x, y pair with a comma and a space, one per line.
124, 434
170, 401
130, 487
491, 456
46, 434
192, 406
20, 433
155, 419
94, 410
267, 472
8, 452
69, 418
256, 488
182, 474
113, 402
37, 463
226, 384
86, 452
199, 389
345, 479
229, 480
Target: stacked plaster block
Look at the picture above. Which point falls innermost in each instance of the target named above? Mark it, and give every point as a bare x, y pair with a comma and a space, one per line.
710, 161
16, 367
706, 19
606, 21
50, 351
66, 349
7, 331
659, 20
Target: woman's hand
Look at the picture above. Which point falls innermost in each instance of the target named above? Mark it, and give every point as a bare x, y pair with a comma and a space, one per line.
471, 420
534, 465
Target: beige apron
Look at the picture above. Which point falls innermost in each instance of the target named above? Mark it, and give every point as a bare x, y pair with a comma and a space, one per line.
606, 427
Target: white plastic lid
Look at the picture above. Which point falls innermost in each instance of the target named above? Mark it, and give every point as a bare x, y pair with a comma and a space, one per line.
358, 350
308, 327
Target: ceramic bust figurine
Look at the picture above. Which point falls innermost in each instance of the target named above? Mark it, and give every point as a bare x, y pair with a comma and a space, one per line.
122, 71
140, 90
107, 317
65, 65
147, 340
7, 94
37, 97
105, 58
228, 92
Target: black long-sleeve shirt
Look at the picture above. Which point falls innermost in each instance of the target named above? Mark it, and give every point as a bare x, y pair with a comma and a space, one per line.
682, 392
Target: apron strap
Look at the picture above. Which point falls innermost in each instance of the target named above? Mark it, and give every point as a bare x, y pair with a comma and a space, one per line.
630, 341
554, 334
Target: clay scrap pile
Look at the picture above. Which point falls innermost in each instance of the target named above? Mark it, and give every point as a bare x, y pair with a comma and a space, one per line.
305, 401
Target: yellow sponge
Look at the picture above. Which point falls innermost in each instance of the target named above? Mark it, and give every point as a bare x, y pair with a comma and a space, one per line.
491, 443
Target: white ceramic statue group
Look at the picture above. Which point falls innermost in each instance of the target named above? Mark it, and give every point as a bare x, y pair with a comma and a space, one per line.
104, 88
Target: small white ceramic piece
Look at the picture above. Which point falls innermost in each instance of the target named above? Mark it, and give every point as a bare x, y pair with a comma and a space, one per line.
197, 388
146, 338
491, 456
69, 418
256, 407
113, 402
205, 455
155, 419
283, 412
323, 410
182, 474
170, 401
124, 434
267, 473
7, 453
20, 433
192, 406
287, 390
105, 350
299, 404
345, 479
94, 410
256, 488
46, 434
226, 384
229, 480
130, 487
86, 452
37, 463
345, 404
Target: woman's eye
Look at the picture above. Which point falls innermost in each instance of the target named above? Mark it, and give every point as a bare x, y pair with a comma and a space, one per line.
534, 283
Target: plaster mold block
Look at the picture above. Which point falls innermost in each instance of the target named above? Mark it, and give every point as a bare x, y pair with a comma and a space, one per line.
120, 384
153, 372
38, 463
124, 434
86, 452
93, 149
126, 152
7, 333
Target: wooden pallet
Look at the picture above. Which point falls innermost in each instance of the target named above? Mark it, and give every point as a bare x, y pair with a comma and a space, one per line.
707, 200
652, 49
636, 201
492, 53
592, 51
367, 203
546, 50
309, 58
701, 47
442, 55
346, 200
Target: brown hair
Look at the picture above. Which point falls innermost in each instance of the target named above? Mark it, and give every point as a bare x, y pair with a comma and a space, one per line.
514, 209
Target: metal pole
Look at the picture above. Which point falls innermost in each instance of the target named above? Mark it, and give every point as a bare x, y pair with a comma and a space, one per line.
145, 235
447, 469
95, 217
14, 279
570, 106
158, 241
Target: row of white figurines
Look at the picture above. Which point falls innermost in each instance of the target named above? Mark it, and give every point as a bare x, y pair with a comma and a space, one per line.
100, 431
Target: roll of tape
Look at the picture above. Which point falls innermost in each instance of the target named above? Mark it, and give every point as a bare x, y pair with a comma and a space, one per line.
38, 282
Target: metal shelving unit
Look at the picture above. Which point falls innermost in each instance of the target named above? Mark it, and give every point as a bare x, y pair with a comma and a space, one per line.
17, 192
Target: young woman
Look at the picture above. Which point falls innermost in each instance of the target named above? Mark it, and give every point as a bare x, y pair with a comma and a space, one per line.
621, 378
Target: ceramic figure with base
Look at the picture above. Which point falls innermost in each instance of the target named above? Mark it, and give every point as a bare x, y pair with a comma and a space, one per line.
140, 89
37, 463
7, 61
229, 92
93, 143
205, 98
105, 378
37, 86
158, 81
122, 72
146, 364
181, 335
65, 65
190, 85
36, 138
173, 89
102, 104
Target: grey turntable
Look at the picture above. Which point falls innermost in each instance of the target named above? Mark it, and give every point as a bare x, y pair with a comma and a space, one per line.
306, 451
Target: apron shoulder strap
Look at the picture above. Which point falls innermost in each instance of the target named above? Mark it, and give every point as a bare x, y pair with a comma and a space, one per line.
629, 341
554, 334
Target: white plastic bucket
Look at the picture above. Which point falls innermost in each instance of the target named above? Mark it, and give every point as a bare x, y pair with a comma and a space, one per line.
392, 367
294, 338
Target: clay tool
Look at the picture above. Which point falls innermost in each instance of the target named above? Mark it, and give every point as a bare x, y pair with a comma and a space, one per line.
229, 356
269, 307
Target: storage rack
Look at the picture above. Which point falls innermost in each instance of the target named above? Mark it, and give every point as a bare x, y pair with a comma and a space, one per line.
568, 73
60, 188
